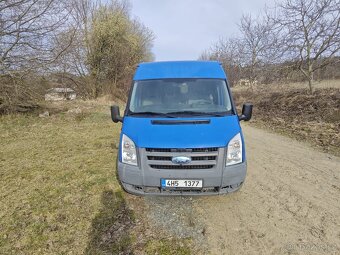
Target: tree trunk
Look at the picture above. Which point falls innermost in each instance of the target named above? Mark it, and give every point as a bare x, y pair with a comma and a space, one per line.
310, 82
310, 85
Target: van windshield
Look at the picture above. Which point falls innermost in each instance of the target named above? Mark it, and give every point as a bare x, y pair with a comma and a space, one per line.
177, 96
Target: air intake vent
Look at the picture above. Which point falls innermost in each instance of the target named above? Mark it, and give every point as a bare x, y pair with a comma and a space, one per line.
179, 122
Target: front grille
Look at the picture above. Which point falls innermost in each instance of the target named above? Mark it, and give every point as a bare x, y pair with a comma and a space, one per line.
182, 166
201, 158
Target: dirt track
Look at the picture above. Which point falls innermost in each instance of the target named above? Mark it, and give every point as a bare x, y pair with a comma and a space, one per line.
290, 204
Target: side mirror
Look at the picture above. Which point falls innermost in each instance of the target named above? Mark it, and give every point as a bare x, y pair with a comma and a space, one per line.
247, 111
115, 115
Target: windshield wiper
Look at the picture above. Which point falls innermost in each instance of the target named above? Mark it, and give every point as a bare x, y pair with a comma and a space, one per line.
195, 113
177, 113
151, 113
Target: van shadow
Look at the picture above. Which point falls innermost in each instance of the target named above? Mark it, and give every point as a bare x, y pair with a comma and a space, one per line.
110, 232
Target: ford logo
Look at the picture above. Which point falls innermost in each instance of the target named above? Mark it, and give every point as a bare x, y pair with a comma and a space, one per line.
181, 160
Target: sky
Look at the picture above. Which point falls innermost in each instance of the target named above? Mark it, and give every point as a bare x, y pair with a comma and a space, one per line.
185, 28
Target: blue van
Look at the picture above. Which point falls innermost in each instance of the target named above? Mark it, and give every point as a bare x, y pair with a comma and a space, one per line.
181, 133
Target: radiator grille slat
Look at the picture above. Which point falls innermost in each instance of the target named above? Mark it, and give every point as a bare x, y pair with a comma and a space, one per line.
182, 166
193, 158
173, 154
181, 150
192, 163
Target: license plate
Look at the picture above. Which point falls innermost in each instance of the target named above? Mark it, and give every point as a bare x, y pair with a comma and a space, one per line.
168, 183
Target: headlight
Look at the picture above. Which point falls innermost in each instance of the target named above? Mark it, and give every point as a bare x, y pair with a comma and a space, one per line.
234, 150
129, 155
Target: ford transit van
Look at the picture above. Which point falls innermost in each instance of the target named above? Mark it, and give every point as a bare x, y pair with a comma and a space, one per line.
181, 134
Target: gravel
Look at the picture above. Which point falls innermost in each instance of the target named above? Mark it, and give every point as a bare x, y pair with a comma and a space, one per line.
176, 217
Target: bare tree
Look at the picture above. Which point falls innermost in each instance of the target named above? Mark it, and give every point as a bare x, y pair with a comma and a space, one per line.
227, 52
107, 46
91, 45
72, 67
310, 31
258, 45
27, 32
28, 43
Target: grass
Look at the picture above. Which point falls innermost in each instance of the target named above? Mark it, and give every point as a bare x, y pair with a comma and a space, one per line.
313, 118
58, 190
111, 228
168, 247
324, 84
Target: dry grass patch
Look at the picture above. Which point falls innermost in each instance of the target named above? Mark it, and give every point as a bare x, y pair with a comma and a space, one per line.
314, 118
58, 188
53, 173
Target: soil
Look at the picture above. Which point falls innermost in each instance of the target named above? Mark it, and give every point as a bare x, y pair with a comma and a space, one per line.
289, 204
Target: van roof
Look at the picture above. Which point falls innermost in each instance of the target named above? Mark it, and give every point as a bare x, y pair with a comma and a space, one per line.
179, 69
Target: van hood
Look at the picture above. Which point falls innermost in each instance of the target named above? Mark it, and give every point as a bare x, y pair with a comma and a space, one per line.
181, 132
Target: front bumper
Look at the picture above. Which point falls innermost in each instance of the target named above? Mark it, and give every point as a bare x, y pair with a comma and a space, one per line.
147, 182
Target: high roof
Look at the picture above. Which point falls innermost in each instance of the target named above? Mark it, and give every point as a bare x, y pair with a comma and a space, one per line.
179, 69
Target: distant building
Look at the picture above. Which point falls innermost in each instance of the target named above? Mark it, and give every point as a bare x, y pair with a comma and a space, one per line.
59, 94
246, 83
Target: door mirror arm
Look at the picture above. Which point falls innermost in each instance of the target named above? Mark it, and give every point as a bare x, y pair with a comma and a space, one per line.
247, 111
115, 114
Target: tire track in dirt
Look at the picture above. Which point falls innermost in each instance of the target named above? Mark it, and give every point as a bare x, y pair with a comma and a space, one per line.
289, 204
